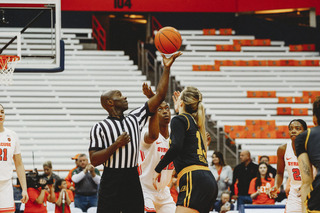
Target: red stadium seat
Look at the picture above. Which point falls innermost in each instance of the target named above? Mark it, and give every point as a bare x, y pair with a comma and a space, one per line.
285, 100
254, 94
301, 100
225, 31
268, 134
269, 94
209, 31
283, 110
300, 111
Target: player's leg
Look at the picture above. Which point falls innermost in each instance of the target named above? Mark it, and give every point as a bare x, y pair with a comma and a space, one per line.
6, 196
148, 202
165, 204
182, 209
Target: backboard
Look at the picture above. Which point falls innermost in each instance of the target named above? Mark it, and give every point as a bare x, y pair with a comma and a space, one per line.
31, 29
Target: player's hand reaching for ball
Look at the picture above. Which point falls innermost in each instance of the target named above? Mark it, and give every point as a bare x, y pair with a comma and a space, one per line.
123, 139
167, 62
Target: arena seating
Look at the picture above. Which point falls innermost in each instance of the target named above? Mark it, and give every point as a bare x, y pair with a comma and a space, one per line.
54, 112
226, 90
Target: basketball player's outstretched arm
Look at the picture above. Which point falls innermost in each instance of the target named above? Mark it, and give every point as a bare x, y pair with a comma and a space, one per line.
162, 87
280, 170
153, 128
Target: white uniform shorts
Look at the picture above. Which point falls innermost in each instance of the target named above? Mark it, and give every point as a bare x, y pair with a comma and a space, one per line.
293, 204
159, 202
6, 196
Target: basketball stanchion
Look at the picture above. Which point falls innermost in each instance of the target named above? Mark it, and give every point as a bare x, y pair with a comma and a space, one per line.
7, 66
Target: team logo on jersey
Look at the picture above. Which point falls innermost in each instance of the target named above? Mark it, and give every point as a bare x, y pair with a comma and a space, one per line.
9, 139
183, 188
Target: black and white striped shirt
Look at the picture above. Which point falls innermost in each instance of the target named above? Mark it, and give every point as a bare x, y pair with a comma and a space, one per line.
105, 133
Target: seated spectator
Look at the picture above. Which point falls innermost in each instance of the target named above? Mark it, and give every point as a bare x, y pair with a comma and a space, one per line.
221, 172
64, 197
86, 179
38, 196
70, 183
272, 171
224, 204
47, 169
260, 186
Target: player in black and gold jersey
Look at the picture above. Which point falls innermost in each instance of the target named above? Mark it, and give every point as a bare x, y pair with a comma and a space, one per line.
308, 153
198, 188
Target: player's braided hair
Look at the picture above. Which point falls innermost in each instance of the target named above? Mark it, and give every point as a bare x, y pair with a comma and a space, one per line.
316, 108
192, 99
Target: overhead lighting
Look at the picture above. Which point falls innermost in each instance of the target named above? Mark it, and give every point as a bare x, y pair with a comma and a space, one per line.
136, 16
281, 11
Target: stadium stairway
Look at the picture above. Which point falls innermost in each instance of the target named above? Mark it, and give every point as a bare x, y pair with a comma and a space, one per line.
54, 112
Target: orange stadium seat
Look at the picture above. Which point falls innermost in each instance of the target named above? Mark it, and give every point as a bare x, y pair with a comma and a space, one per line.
301, 100
268, 134
281, 128
310, 126
209, 31
299, 63
254, 94
253, 122
270, 123
283, 110
228, 128
296, 48
228, 48
308, 47
312, 62
262, 42
225, 31
269, 94
238, 134
300, 111
249, 128
253, 134
285, 100
196, 67
260, 63
286, 62
273, 62
284, 134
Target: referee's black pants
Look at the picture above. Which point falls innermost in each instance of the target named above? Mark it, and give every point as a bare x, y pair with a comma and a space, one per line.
120, 191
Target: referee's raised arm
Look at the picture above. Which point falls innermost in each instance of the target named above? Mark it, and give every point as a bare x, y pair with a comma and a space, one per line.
162, 88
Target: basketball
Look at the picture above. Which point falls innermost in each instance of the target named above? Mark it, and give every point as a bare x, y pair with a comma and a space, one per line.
168, 40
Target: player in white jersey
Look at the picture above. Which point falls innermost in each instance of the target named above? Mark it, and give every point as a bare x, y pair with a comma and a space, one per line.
154, 145
9, 154
287, 158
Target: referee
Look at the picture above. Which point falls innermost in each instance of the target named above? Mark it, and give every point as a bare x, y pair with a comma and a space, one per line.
115, 143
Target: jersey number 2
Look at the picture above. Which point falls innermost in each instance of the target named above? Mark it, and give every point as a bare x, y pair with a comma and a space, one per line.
296, 174
3, 154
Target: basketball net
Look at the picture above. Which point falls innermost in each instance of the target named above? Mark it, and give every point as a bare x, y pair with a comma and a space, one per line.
7, 66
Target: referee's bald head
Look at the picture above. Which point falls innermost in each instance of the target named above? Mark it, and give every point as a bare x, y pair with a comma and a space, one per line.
105, 97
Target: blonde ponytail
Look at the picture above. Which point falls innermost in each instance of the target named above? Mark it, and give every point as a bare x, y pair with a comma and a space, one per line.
201, 122
192, 99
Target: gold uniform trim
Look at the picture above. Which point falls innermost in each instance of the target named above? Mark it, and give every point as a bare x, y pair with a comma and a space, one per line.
190, 169
187, 120
307, 139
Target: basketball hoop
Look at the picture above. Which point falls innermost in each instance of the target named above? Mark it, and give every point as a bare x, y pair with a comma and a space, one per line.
7, 66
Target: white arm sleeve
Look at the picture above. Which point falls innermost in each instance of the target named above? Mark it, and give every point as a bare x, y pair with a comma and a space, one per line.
78, 177
96, 179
